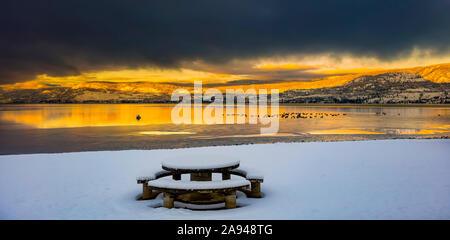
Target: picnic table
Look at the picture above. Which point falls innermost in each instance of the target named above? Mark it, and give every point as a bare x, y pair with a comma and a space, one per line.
200, 169
200, 188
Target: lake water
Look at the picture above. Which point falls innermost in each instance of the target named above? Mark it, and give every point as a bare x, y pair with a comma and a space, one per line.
82, 127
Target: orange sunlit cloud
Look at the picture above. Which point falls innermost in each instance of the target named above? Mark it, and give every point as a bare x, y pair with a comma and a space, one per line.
34, 84
313, 71
143, 75
126, 79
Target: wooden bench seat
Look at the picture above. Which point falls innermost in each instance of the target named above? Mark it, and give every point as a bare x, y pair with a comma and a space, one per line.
173, 188
255, 179
147, 192
249, 174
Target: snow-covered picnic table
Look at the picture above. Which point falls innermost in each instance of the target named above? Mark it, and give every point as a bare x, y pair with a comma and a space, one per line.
195, 165
200, 189
201, 169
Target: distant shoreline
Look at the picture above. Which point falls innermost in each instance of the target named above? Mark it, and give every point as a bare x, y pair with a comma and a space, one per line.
283, 104
217, 142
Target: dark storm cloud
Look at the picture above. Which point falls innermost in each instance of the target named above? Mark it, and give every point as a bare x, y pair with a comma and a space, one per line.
68, 37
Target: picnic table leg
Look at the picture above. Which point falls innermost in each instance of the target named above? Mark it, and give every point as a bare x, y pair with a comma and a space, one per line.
168, 200
230, 200
207, 176
146, 191
255, 189
176, 176
226, 176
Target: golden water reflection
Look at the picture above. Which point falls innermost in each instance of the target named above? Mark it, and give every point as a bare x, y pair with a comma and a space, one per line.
344, 131
95, 115
164, 133
303, 119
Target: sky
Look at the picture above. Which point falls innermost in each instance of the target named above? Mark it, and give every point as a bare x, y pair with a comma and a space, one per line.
218, 42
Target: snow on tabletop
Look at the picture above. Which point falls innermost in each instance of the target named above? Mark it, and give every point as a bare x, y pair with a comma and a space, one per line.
198, 185
197, 162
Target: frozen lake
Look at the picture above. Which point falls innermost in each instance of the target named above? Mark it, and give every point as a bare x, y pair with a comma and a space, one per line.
44, 128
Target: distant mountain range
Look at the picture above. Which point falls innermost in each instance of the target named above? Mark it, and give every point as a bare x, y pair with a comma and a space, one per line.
387, 88
428, 85
79, 95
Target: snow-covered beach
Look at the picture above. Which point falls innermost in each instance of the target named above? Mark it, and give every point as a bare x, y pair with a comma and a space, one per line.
385, 179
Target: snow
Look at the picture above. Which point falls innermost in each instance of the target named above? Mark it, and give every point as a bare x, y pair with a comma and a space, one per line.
146, 178
151, 176
199, 206
249, 173
197, 162
198, 185
385, 179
